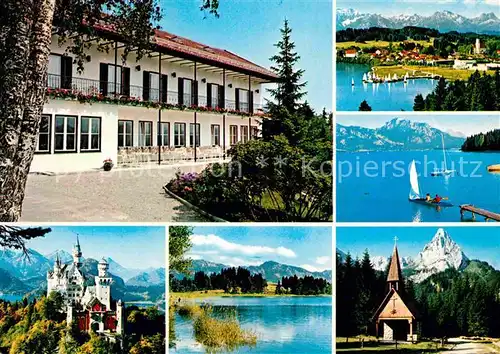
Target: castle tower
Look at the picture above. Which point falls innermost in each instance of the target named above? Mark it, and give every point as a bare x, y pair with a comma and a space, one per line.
57, 265
69, 315
395, 275
477, 46
77, 254
103, 284
119, 317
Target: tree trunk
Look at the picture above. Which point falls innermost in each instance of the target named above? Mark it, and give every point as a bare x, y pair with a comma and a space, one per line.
25, 37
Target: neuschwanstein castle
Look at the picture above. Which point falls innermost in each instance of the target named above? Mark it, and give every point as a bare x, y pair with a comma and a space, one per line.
90, 305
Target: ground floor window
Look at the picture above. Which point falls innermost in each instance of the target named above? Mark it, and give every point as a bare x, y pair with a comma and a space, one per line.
244, 133
164, 133
65, 134
194, 131
255, 132
125, 133
179, 134
90, 134
145, 133
43, 143
233, 134
215, 134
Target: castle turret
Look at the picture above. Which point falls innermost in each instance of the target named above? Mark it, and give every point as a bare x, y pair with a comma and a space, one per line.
103, 284
57, 265
77, 253
119, 317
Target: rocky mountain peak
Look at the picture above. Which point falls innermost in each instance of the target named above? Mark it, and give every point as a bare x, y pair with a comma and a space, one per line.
438, 255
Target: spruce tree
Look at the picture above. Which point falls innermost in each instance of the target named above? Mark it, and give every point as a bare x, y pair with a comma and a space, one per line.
419, 103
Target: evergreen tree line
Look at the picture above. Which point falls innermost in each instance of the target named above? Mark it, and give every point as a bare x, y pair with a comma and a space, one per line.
231, 280
308, 285
450, 303
478, 93
483, 142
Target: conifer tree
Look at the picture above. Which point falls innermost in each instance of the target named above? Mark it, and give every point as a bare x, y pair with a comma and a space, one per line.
364, 106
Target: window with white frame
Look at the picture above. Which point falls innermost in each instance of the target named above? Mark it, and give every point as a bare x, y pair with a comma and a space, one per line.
65, 134
90, 134
54, 71
194, 130
43, 143
233, 134
179, 134
125, 133
215, 95
243, 100
254, 132
154, 87
188, 92
164, 133
215, 134
145, 133
111, 79
244, 133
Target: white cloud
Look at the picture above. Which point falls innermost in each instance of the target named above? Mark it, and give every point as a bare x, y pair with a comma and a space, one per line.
492, 2
323, 260
194, 256
221, 244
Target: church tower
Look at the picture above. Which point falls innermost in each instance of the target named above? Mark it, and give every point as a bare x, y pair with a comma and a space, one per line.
395, 275
103, 284
77, 254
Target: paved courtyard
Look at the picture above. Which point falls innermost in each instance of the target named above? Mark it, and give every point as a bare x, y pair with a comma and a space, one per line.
120, 195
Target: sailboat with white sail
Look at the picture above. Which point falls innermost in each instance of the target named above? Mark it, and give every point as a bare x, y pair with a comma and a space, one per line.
445, 171
416, 197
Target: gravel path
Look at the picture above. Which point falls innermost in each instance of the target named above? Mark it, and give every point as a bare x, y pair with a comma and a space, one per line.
465, 347
120, 195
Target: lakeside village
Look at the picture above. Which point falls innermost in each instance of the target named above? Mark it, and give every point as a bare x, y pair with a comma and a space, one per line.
417, 60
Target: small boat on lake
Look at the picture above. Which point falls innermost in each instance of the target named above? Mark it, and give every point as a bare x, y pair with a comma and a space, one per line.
445, 171
416, 197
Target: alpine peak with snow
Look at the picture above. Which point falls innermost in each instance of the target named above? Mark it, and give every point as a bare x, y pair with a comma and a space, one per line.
444, 21
439, 254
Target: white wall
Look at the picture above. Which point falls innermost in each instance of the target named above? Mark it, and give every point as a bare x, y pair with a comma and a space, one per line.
79, 161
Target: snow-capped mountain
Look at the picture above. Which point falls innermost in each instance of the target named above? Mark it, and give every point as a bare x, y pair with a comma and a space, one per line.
444, 21
341, 255
438, 255
64, 257
396, 134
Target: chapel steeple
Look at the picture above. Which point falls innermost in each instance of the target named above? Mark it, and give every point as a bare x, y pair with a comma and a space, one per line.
395, 276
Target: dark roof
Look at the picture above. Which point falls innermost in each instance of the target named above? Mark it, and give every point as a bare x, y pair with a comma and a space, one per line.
395, 273
191, 50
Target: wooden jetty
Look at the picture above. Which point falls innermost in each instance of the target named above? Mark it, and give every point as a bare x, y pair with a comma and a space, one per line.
488, 215
494, 168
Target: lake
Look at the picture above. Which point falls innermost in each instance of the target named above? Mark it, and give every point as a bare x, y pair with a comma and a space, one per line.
282, 324
364, 197
395, 96
10, 297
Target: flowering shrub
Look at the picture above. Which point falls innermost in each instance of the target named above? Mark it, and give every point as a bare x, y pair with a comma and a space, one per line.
183, 184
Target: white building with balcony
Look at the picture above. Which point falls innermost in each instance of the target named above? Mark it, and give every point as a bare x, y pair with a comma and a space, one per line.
184, 101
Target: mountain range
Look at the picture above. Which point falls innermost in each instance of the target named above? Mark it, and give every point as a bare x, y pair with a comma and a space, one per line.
271, 271
439, 254
21, 275
396, 134
443, 21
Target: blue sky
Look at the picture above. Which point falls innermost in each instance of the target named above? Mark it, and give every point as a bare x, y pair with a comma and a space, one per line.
481, 243
250, 28
307, 247
467, 8
463, 124
130, 246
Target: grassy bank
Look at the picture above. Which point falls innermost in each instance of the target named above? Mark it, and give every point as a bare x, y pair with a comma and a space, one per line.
448, 73
370, 344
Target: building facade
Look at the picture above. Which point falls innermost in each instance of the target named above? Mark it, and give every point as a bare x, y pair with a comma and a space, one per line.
396, 319
183, 101
91, 306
